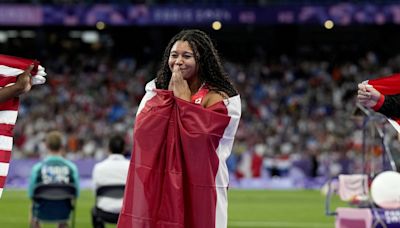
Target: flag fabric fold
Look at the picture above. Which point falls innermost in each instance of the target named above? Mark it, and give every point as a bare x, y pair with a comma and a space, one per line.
178, 176
10, 68
388, 85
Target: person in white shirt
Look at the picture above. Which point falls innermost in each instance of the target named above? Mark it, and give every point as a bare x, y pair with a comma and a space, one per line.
112, 171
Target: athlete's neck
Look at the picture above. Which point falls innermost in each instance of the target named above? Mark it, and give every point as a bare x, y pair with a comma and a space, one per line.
194, 86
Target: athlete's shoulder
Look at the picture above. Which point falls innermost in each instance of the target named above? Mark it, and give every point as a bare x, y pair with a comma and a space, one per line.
214, 97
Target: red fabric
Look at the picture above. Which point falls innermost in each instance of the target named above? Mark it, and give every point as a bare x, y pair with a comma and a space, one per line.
4, 80
388, 85
379, 103
2, 180
11, 104
5, 156
20, 63
256, 165
171, 179
6, 129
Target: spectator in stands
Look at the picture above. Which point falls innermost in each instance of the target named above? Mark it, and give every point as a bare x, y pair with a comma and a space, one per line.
53, 169
112, 171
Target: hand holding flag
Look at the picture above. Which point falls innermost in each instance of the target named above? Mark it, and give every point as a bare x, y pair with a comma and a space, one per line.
367, 95
24, 82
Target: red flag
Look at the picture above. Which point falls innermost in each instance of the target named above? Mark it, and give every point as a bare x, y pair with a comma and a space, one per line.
10, 67
388, 85
178, 176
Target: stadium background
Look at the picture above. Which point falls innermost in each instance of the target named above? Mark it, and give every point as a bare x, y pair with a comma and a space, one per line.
297, 77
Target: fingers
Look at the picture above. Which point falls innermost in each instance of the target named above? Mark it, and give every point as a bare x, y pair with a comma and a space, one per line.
367, 95
362, 90
371, 89
174, 78
364, 86
27, 72
362, 98
176, 68
176, 72
368, 91
29, 69
171, 83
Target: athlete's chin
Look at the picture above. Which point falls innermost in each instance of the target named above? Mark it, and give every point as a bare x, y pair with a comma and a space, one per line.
188, 76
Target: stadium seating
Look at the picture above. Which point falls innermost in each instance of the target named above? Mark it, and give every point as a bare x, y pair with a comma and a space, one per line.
56, 202
111, 191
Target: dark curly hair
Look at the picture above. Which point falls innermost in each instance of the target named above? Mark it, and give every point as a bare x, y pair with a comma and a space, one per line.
210, 71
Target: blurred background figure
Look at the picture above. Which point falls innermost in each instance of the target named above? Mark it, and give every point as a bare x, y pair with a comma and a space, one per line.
54, 169
112, 171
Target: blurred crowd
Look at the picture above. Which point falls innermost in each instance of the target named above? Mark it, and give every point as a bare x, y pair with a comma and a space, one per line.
301, 113
296, 112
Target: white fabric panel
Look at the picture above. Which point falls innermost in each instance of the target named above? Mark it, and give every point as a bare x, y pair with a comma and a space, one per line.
7, 71
8, 117
149, 94
224, 149
6, 143
221, 210
4, 168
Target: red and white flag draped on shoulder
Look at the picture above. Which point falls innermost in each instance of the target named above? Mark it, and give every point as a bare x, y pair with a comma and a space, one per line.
178, 176
10, 68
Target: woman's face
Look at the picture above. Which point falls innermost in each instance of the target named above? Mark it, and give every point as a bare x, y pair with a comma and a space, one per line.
182, 55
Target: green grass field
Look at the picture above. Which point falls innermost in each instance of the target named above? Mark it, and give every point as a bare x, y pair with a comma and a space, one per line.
247, 208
